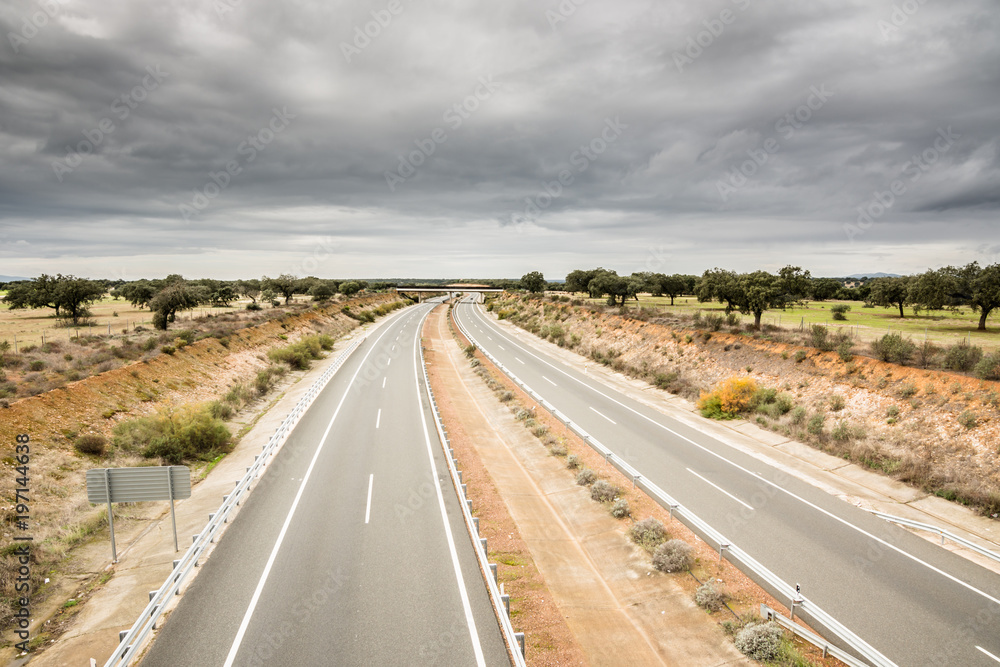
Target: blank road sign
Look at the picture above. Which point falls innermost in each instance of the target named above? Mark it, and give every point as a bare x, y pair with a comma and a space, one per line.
133, 485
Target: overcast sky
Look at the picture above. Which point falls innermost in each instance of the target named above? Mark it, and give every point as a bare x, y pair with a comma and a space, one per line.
427, 138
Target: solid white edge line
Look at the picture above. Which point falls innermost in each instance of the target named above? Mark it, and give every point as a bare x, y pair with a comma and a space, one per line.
988, 653
604, 415
466, 605
720, 489
766, 481
368, 507
235, 648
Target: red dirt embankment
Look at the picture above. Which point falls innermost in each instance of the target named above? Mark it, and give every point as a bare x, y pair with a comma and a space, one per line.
935, 430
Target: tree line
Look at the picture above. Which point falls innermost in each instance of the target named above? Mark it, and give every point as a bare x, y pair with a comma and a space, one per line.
71, 297
753, 293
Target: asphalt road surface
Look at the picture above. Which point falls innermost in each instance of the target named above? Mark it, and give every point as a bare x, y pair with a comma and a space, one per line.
352, 549
915, 602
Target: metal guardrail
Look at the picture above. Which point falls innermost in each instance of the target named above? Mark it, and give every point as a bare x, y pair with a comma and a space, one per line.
131, 641
514, 640
811, 637
941, 532
726, 548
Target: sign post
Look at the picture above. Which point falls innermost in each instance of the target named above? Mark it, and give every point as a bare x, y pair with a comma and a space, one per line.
133, 485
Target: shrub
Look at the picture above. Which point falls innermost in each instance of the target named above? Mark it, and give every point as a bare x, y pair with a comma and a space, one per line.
820, 337
845, 350
604, 492
573, 462
36, 365
800, 356
168, 349
962, 357
539, 430
815, 425
729, 398
557, 450
620, 509
840, 311
893, 348
673, 556
841, 432
149, 344
506, 396
968, 419
760, 641
837, 403
175, 436
254, 306
799, 415
988, 367
585, 477
907, 390
299, 356
220, 410
713, 322
709, 597
470, 350
892, 411
648, 533
90, 444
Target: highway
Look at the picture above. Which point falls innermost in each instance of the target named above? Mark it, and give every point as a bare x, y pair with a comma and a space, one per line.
915, 602
352, 549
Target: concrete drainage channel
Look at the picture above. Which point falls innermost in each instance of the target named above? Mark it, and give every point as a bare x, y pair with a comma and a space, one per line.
132, 641
733, 553
500, 600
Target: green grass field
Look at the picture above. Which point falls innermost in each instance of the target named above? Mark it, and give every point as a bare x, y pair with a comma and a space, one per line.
866, 324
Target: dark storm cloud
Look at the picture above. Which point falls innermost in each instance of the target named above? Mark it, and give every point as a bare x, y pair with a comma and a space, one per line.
561, 134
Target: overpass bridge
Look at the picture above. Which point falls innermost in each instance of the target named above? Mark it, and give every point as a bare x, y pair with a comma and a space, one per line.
420, 292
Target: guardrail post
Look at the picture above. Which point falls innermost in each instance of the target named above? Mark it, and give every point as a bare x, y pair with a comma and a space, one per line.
519, 636
482, 541
722, 549
493, 571
475, 522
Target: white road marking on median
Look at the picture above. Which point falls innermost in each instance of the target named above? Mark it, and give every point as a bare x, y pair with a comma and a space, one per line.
368, 509
502, 347
378, 419
845, 522
383, 382
489, 336
988, 653
466, 605
549, 381
605, 416
719, 488
235, 648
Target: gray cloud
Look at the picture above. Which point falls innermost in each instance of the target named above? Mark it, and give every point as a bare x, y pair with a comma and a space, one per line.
142, 103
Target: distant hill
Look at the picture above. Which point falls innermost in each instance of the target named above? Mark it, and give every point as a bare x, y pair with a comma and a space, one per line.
873, 275
10, 279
